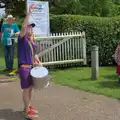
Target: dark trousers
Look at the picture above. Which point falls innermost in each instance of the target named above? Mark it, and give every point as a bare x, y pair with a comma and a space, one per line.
9, 56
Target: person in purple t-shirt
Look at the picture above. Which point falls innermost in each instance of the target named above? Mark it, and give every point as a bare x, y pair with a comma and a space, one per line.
26, 59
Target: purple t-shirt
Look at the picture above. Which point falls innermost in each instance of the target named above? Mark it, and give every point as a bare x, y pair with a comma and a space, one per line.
24, 51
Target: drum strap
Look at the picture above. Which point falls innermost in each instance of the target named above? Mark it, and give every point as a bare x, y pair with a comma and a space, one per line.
32, 50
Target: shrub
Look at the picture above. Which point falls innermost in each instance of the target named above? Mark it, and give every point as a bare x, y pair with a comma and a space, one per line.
114, 10
103, 32
19, 25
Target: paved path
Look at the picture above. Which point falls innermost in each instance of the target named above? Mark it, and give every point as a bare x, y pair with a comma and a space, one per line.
58, 103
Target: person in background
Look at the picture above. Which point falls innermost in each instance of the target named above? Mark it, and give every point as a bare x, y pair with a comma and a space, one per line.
117, 60
1, 23
27, 58
9, 31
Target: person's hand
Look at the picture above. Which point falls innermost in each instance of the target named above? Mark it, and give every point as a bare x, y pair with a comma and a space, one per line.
32, 6
40, 65
12, 34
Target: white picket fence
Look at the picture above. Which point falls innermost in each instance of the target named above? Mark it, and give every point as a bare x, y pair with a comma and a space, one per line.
62, 48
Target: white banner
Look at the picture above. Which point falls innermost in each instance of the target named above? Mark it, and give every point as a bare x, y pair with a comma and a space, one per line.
40, 16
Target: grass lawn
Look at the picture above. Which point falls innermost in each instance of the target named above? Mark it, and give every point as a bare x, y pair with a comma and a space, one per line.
2, 64
80, 78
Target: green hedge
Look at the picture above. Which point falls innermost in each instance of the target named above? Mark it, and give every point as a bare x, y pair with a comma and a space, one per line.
114, 10
103, 32
19, 25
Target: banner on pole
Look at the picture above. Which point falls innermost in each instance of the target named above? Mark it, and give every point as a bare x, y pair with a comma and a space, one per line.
40, 16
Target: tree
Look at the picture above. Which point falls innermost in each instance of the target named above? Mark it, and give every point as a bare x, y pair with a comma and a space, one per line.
13, 6
105, 7
64, 6
82, 7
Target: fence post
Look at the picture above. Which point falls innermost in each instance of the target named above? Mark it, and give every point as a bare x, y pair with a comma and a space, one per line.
84, 48
95, 62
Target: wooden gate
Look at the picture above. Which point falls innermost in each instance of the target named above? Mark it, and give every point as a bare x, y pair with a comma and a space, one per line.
65, 48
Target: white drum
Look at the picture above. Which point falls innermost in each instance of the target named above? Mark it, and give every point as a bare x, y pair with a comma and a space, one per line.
40, 77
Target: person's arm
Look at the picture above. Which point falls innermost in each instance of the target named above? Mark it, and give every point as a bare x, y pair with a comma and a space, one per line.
17, 31
117, 55
26, 23
37, 61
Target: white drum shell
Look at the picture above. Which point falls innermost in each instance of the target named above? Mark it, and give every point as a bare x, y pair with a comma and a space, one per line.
39, 82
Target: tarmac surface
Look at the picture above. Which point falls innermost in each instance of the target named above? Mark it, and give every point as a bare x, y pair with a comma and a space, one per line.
58, 103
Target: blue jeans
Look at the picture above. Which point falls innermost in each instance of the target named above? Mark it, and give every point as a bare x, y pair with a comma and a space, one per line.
9, 56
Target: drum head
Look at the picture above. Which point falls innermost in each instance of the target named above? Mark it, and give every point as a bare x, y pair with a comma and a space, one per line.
39, 72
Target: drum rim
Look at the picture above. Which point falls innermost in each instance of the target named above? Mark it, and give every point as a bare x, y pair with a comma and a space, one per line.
38, 67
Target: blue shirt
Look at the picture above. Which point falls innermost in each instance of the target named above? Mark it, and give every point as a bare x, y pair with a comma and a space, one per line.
6, 31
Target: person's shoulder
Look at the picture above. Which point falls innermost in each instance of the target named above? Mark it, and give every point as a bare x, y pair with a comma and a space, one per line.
22, 39
14, 24
4, 24
19, 37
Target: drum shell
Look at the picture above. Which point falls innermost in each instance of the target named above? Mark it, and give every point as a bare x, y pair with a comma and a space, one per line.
40, 83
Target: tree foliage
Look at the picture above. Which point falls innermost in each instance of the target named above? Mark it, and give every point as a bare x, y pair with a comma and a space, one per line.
16, 7
84, 7
103, 32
